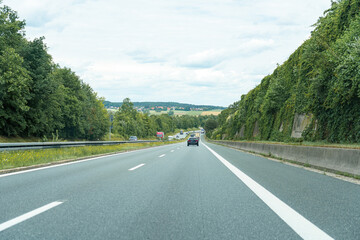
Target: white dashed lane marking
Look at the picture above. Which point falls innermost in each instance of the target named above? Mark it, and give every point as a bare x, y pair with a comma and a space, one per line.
138, 166
28, 215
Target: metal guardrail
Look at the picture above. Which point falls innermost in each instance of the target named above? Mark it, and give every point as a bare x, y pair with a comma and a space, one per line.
43, 145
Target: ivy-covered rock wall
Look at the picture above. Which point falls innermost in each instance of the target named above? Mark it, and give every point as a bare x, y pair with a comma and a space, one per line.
320, 79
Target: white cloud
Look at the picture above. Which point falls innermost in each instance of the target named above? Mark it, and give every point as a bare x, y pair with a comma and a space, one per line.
195, 51
205, 59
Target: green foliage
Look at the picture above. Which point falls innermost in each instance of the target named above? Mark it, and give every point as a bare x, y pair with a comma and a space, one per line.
38, 63
14, 93
210, 125
37, 97
320, 78
11, 29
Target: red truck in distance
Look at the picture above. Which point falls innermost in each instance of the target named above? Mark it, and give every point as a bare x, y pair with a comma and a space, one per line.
160, 135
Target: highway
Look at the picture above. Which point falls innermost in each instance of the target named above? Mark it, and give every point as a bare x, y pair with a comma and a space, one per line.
178, 192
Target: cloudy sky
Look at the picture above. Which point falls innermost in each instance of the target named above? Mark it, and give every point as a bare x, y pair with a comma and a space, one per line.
190, 51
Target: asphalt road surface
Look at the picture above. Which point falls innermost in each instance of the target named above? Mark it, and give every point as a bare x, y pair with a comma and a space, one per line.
178, 192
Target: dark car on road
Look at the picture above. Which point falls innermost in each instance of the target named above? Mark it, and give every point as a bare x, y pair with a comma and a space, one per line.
193, 141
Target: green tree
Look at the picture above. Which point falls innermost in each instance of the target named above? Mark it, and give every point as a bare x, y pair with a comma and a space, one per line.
210, 125
127, 120
11, 29
14, 93
128, 108
39, 65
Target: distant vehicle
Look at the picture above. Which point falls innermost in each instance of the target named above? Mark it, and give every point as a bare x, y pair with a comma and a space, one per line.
160, 135
202, 131
192, 135
181, 132
177, 136
133, 138
193, 141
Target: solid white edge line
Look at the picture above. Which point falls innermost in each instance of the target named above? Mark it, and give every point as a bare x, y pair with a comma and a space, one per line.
162, 155
303, 227
28, 215
138, 166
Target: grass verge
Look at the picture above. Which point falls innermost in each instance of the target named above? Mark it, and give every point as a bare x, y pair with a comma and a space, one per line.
25, 158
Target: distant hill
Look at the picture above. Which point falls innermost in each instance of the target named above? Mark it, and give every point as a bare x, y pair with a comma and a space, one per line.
176, 105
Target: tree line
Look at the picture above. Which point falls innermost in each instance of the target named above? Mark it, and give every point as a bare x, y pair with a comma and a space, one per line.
38, 97
320, 79
128, 121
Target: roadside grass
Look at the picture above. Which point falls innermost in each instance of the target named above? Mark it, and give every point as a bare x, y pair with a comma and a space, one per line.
333, 145
25, 158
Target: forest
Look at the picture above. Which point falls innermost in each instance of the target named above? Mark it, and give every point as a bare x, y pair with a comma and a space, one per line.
320, 80
38, 98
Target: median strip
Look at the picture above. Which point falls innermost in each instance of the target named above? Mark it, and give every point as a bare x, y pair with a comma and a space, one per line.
28, 215
138, 166
303, 227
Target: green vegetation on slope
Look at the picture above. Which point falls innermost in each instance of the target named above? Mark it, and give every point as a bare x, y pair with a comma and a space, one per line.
37, 97
320, 80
